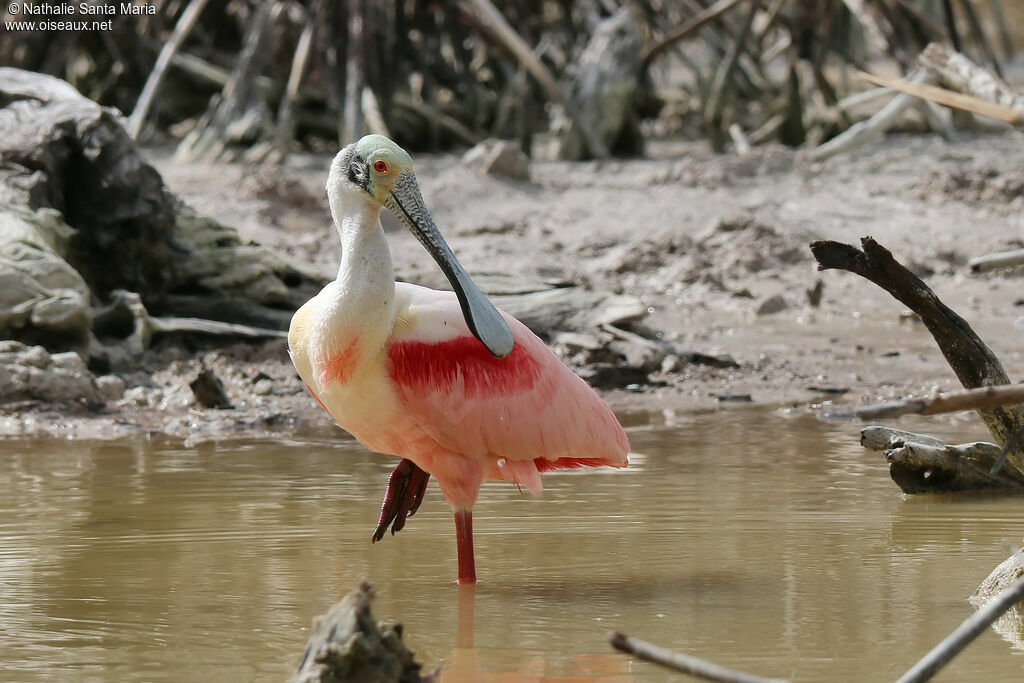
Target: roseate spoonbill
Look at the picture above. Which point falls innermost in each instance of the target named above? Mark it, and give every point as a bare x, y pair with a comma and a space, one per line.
443, 380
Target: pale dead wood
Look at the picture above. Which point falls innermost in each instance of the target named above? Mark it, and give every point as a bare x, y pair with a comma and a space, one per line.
208, 138
920, 463
720, 85
683, 663
862, 132
875, 35
149, 90
374, 117
352, 108
949, 98
972, 399
1003, 259
879, 438
972, 627
486, 13
286, 112
961, 74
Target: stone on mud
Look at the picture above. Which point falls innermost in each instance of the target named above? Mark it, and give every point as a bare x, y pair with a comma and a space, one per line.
31, 373
499, 157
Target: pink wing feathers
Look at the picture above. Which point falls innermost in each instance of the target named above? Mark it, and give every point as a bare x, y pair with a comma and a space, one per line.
527, 407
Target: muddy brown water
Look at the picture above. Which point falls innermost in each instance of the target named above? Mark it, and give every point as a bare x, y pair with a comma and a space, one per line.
760, 540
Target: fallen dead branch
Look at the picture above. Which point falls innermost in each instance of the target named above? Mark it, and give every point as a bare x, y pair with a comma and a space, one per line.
686, 664
973, 362
965, 633
972, 399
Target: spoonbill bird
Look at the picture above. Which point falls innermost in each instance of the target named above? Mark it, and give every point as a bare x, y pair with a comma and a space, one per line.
444, 380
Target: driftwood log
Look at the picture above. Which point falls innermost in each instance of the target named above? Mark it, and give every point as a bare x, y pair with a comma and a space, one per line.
347, 644
924, 464
973, 362
86, 222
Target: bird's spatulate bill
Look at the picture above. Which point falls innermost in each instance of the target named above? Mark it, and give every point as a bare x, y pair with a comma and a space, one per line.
486, 324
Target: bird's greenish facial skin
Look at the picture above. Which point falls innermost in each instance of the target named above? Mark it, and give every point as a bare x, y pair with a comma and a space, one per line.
384, 171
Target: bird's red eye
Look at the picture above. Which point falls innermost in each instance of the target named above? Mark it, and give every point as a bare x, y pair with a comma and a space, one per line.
380, 166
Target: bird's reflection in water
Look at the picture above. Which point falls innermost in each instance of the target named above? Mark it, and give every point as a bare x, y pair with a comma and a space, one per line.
467, 664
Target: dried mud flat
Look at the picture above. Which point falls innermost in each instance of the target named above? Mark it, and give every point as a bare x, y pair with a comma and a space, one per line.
716, 247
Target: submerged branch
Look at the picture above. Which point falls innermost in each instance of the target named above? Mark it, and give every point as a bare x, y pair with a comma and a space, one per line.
965, 633
684, 663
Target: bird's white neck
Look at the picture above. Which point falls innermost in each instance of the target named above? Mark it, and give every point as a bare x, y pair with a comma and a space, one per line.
363, 299
365, 257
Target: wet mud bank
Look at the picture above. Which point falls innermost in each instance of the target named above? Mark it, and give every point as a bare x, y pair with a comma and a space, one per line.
683, 282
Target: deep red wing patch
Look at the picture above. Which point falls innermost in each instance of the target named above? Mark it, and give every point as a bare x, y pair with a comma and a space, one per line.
438, 366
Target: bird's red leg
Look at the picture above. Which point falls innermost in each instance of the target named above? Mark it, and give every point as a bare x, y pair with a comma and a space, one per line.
464, 540
406, 487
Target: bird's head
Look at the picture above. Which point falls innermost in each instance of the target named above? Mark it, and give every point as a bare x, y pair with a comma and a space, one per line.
374, 165
378, 170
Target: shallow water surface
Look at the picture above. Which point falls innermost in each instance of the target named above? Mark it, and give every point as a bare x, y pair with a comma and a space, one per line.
762, 542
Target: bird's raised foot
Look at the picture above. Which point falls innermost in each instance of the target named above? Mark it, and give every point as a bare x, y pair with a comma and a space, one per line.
406, 487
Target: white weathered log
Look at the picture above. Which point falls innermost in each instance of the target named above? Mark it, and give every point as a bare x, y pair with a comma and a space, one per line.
920, 463
960, 73
1003, 259
864, 131
879, 438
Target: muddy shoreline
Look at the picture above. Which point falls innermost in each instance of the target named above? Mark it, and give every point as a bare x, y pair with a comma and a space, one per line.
714, 246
